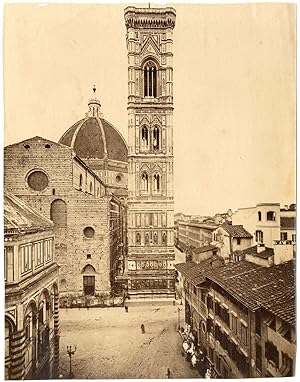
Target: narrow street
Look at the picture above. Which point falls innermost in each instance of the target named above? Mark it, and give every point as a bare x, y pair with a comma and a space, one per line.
110, 343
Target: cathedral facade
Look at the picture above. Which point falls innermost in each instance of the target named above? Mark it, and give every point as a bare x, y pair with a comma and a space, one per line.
150, 151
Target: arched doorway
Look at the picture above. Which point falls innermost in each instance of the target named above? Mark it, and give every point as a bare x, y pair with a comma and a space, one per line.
9, 329
58, 213
30, 328
88, 273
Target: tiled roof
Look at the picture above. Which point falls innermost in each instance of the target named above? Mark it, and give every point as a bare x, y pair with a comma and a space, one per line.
19, 217
285, 308
256, 286
265, 254
196, 272
288, 222
204, 248
236, 230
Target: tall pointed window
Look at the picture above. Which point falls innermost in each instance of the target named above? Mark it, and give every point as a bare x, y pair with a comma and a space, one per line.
138, 238
150, 79
156, 138
156, 183
144, 182
145, 138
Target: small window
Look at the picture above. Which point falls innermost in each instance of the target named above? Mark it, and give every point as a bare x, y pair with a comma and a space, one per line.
47, 146
146, 238
91, 187
283, 236
138, 238
27, 146
271, 216
89, 232
118, 178
259, 236
294, 238
238, 240
88, 257
80, 180
244, 334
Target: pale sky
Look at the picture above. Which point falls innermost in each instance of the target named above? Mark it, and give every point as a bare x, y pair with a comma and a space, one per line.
234, 91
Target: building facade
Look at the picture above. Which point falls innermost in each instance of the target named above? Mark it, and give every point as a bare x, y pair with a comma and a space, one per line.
51, 178
262, 221
229, 238
242, 316
151, 253
31, 293
194, 235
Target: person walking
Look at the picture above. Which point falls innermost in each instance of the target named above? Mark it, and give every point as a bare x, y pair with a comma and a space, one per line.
168, 373
126, 308
143, 328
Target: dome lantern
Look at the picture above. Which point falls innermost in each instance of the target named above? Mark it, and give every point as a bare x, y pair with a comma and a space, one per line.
94, 106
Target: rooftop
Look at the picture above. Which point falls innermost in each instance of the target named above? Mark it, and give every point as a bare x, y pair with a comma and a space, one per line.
288, 222
204, 248
236, 230
20, 218
196, 272
255, 286
264, 254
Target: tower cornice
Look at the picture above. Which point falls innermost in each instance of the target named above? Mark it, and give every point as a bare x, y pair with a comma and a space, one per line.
150, 17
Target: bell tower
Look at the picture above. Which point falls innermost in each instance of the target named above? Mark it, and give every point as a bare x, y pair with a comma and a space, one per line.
151, 254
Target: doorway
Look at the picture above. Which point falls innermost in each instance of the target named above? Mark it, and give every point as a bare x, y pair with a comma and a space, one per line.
89, 285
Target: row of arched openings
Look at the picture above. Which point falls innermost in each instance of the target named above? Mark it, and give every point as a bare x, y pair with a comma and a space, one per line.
145, 183
151, 239
150, 140
38, 325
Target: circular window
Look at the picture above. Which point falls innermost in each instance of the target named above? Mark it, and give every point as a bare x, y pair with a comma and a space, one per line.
89, 232
118, 178
37, 180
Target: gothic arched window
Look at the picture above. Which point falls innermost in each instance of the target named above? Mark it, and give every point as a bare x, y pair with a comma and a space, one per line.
156, 183
138, 238
150, 79
144, 182
145, 137
147, 238
164, 237
156, 138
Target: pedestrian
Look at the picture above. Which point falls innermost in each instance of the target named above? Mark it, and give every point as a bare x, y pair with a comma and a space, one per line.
168, 373
143, 328
126, 308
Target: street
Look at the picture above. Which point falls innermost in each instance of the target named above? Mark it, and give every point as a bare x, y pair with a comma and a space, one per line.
110, 343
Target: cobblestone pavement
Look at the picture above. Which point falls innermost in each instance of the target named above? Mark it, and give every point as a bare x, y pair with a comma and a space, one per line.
110, 343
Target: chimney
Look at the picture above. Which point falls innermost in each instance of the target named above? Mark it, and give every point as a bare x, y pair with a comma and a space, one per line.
260, 248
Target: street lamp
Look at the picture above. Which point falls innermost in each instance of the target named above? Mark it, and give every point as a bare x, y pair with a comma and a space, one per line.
70, 353
179, 310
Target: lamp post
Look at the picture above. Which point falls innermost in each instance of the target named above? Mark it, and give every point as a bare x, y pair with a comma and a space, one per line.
178, 310
70, 353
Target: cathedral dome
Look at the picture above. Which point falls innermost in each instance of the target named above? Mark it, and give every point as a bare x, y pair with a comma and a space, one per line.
94, 137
